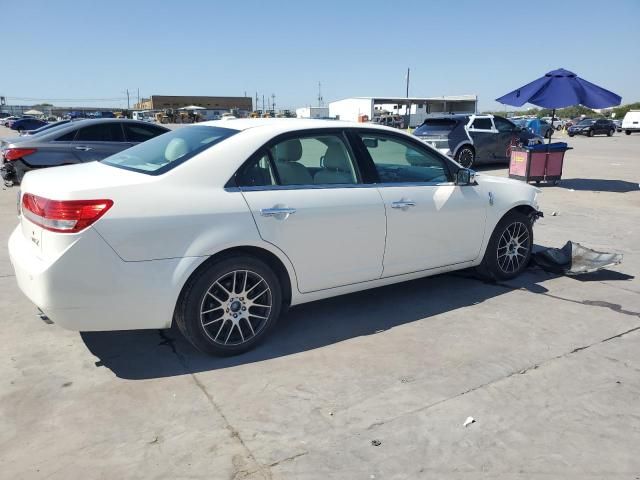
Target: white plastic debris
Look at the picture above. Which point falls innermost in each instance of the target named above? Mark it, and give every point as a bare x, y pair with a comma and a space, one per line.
554, 214
468, 421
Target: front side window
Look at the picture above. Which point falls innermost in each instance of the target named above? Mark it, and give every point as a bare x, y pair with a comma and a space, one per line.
399, 161
104, 132
164, 152
141, 133
503, 125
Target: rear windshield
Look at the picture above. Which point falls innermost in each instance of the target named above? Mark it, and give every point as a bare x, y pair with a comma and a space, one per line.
436, 125
168, 150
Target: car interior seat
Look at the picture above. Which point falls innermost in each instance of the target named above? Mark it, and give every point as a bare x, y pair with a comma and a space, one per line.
291, 172
336, 167
176, 148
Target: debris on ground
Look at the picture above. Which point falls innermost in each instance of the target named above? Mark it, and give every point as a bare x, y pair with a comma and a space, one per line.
574, 259
376, 443
554, 214
469, 421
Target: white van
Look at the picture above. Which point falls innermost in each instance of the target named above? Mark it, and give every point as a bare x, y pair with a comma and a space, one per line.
631, 122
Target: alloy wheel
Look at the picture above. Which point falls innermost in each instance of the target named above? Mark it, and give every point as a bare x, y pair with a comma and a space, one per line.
513, 247
236, 307
465, 157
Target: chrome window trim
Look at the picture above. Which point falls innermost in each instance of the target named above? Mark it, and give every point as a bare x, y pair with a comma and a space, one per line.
263, 188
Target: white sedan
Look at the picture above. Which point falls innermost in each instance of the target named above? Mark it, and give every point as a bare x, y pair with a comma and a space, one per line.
220, 226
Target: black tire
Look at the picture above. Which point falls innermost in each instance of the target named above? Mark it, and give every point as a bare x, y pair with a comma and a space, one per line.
548, 133
590, 133
466, 156
628, 132
571, 134
610, 133
493, 264
202, 292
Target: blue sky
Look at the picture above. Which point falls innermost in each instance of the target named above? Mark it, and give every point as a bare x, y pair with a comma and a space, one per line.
90, 50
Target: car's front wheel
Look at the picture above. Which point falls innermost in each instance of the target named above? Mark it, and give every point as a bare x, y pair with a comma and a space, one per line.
509, 249
627, 132
230, 306
591, 133
466, 156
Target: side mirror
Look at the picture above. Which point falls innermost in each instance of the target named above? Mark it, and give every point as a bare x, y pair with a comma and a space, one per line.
465, 176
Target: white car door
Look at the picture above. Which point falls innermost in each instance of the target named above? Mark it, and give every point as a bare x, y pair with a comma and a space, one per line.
431, 221
306, 199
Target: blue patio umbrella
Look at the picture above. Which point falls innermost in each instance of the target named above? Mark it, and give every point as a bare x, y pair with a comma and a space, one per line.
558, 89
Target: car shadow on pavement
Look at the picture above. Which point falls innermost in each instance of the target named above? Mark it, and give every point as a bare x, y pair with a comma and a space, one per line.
598, 185
146, 354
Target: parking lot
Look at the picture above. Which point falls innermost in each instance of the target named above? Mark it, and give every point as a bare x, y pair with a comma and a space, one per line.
375, 384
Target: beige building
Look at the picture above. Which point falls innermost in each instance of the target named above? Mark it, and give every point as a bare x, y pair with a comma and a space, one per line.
162, 102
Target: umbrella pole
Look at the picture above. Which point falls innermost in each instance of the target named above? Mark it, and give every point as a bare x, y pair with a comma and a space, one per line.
553, 115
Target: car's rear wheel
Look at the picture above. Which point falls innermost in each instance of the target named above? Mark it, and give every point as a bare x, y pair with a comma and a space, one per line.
591, 133
628, 132
571, 134
466, 156
548, 133
609, 133
509, 249
230, 306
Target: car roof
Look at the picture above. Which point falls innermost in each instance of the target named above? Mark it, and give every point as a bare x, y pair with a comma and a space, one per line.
289, 124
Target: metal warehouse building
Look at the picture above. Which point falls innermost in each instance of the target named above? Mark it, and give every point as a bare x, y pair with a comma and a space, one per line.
418, 108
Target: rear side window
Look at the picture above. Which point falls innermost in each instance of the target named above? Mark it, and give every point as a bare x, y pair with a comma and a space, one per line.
436, 126
165, 152
104, 132
482, 124
141, 133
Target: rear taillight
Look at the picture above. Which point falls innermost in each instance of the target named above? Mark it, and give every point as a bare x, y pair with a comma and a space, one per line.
66, 216
16, 153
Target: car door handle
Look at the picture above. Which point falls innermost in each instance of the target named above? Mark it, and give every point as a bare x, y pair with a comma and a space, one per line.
403, 204
278, 212
83, 148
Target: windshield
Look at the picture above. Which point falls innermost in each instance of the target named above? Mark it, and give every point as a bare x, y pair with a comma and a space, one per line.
586, 122
168, 150
436, 125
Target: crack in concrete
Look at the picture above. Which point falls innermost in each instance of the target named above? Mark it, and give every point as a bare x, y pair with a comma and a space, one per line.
170, 342
504, 377
288, 459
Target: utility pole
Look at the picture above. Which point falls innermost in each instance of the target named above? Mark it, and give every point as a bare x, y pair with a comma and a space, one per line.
408, 72
263, 110
257, 101
128, 105
320, 99
273, 103
138, 97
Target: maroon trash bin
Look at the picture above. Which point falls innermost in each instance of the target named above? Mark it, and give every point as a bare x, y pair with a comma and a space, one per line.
538, 163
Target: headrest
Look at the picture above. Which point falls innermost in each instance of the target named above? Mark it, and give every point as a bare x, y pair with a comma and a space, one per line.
176, 148
335, 158
289, 151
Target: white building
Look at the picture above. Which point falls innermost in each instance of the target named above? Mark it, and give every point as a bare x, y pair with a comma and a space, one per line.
416, 108
312, 112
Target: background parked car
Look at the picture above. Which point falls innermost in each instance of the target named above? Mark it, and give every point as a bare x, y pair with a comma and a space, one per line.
557, 123
46, 127
618, 124
631, 122
24, 124
536, 126
591, 127
7, 121
474, 139
78, 142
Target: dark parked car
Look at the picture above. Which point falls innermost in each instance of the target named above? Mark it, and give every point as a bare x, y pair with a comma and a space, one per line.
46, 127
474, 139
591, 127
78, 142
24, 124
